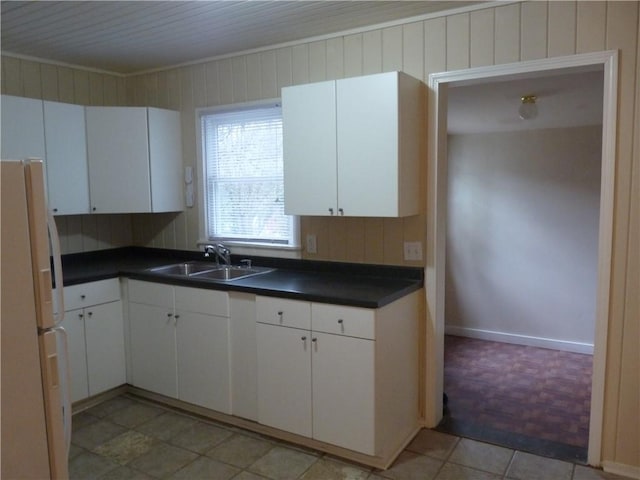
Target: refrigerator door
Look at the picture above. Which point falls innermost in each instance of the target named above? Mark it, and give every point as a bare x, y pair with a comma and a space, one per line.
39, 236
25, 452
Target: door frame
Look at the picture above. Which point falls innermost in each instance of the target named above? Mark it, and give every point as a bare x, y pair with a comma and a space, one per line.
437, 213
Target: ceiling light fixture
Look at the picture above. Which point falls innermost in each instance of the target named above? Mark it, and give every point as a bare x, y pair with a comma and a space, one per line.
528, 109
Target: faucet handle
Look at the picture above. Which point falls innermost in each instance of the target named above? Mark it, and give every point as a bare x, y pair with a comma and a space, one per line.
245, 262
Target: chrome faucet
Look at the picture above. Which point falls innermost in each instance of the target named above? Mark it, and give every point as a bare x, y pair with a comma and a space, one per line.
220, 251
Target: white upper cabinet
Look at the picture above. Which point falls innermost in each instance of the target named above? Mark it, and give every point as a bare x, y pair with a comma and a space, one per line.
134, 159
22, 128
66, 158
353, 146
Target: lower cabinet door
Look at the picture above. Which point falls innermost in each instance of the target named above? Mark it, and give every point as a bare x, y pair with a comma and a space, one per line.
104, 331
153, 349
284, 378
344, 391
203, 360
73, 324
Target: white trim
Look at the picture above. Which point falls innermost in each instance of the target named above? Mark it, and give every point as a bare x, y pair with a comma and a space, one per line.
438, 84
616, 468
317, 38
517, 339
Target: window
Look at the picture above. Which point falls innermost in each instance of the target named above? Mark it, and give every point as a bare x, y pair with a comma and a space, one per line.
243, 172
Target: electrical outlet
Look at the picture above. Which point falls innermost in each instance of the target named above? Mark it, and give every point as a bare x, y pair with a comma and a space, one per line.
413, 251
312, 247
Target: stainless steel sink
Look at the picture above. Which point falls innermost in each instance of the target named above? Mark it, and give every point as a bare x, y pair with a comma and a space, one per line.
228, 273
209, 271
185, 269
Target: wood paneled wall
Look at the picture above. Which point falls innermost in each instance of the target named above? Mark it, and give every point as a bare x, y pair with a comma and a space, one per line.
25, 78
486, 36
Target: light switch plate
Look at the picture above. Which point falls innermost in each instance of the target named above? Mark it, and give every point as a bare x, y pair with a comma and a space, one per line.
413, 251
312, 247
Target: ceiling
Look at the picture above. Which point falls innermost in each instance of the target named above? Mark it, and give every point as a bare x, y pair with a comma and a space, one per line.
133, 36
565, 98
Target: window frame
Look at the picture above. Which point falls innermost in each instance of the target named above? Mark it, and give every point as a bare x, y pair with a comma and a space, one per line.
238, 247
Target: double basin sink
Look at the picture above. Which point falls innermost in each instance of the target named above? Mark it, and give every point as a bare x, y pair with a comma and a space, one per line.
209, 271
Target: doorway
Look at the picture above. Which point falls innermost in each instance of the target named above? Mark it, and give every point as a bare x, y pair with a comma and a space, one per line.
435, 271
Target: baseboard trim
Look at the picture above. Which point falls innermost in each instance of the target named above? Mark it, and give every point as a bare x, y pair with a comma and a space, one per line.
575, 347
621, 469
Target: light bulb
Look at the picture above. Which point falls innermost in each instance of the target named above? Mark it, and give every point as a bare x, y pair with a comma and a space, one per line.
528, 109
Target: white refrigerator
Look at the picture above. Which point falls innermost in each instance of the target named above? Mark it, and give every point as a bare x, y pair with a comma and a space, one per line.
36, 413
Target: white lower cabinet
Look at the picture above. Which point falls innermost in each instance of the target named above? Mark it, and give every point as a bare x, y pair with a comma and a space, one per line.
95, 337
324, 372
180, 343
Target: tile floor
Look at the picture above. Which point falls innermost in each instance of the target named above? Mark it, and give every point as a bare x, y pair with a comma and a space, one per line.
130, 438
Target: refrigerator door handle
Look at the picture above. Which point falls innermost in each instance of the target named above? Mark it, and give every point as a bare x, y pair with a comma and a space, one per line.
58, 307
65, 383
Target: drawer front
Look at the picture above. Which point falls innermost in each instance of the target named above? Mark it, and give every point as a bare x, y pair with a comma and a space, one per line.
149, 293
281, 311
341, 320
92, 293
199, 300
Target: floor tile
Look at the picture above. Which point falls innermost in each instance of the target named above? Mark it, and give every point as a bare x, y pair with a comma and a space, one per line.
125, 473
451, 471
74, 451
482, 456
283, 464
109, 406
166, 425
411, 466
332, 469
244, 475
587, 473
162, 460
200, 437
526, 466
96, 434
134, 415
81, 420
432, 443
124, 448
89, 465
204, 467
240, 450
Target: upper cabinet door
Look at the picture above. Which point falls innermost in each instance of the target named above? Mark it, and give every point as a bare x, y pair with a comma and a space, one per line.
66, 147
368, 145
165, 160
380, 130
309, 148
118, 152
22, 128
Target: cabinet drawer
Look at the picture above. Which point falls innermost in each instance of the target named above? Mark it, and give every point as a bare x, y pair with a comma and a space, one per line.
341, 320
92, 293
149, 293
280, 311
199, 300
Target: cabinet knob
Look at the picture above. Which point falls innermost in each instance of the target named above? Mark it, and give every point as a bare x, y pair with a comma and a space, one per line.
304, 338
55, 209
176, 317
80, 315
169, 314
314, 340
93, 209
331, 211
82, 297
340, 321
90, 314
280, 316
341, 211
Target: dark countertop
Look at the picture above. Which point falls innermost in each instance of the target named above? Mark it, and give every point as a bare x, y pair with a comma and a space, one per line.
359, 285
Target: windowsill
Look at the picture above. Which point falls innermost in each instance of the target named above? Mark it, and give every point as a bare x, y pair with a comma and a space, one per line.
258, 249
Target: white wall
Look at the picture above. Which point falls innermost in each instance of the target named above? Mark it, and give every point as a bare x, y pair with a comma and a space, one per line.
522, 238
